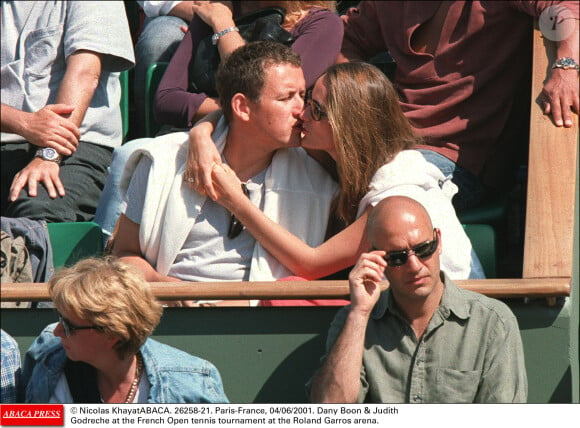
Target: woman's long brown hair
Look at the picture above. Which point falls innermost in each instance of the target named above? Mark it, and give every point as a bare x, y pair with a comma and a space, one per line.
368, 128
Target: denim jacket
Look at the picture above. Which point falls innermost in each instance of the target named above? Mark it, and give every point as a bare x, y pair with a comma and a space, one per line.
175, 376
37, 239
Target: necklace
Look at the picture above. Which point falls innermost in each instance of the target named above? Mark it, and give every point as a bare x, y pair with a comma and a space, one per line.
135, 384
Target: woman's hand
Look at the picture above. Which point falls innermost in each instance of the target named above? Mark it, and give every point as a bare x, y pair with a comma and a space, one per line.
228, 187
202, 155
216, 14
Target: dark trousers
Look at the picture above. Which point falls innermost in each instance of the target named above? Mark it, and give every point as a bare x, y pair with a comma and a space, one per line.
83, 176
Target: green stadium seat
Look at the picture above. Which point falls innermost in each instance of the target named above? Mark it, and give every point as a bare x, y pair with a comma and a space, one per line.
124, 103
491, 211
74, 241
483, 239
154, 75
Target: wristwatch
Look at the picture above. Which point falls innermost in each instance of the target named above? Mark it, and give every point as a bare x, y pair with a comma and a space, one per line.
566, 63
48, 154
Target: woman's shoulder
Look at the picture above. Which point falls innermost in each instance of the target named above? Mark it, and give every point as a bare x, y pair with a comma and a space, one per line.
45, 355
320, 16
167, 358
403, 163
179, 377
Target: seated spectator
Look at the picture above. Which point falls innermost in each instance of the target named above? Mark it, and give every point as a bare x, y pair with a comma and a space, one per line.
423, 340
100, 350
10, 368
317, 33
60, 105
173, 233
373, 161
163, 30
471, 108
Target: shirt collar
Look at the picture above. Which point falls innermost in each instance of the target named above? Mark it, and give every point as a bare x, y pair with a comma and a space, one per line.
452, 301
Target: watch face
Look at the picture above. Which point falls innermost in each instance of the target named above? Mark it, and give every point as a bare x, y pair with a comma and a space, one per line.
49, 153
566, 63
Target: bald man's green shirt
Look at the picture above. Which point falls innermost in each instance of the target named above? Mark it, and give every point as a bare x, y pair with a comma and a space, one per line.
471, 352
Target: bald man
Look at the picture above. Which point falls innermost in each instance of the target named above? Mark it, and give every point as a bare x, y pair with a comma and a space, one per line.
423, 340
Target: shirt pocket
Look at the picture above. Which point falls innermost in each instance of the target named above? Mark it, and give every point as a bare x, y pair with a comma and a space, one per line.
455, 386
42, 49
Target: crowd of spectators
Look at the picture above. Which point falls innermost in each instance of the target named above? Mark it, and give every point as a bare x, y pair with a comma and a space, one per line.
304, 146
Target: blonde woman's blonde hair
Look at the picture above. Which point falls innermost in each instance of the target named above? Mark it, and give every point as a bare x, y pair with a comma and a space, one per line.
111, 295
368, 127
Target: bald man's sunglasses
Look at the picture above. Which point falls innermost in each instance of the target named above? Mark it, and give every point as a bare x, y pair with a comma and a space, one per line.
423, 250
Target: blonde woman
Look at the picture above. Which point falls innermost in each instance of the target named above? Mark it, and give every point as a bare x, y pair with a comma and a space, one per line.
100, 350
353, 115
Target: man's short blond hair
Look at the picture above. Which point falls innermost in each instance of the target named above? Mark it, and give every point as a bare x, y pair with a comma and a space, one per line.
110, 295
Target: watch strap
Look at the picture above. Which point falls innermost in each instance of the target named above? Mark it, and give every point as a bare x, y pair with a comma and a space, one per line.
566, 63
40, 153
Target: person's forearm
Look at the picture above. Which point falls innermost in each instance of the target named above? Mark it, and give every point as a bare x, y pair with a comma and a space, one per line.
206, 125
220, 18
208, 106
571, 46
339, 252
229, 43
126, 247
145, 267
174, 104
183, 10
12, 120
338, 380
83, 71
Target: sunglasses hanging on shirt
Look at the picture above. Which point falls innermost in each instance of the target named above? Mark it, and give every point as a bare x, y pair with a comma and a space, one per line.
236, 225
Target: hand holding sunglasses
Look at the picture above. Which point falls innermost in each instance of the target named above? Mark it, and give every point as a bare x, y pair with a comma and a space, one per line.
422, 250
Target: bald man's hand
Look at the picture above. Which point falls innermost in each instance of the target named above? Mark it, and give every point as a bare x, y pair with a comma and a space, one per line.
364, 281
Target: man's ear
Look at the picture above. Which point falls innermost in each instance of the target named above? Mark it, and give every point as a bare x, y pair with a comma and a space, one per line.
241, 107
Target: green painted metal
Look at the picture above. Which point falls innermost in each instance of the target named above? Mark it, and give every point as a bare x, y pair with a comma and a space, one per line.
574, 326
483, 239
153, 78
124, 102
74, 241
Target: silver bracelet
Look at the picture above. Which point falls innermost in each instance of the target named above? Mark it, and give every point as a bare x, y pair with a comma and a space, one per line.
217, 36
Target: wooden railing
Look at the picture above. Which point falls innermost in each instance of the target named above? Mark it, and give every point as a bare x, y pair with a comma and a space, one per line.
499, 288
552, 175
